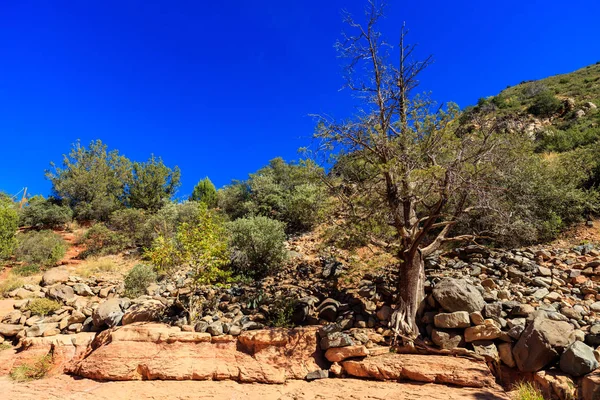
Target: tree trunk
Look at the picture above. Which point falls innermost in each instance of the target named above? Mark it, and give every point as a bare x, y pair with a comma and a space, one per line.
411, 294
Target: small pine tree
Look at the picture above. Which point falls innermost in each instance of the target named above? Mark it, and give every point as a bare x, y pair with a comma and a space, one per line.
205, 192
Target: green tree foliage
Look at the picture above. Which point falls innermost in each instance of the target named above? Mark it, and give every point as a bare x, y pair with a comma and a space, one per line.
205, 192
99, 240
43, 248
138, 279
9, 222
131, 223
153, 184
92, 180
44, 213
291, 193
200, 246
545, 104
257, 245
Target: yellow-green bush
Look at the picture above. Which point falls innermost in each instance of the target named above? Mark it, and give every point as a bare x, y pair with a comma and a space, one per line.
42, 306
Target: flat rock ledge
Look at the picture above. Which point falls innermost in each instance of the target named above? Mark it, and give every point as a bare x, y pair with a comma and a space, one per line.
422, 368
162, 352
153, 351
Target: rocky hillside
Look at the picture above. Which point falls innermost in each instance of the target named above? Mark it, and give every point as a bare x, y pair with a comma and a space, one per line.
560, 112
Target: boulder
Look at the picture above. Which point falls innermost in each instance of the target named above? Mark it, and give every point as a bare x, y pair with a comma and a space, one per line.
336, 339
578, 359
458, 295
328, 309
61, 292
10, 330
149, 351
54, 276
542, 341
337, 354
458, 319
488, 331
422, 368
150, 310
447, 339
506, 355
108, 314
81, 289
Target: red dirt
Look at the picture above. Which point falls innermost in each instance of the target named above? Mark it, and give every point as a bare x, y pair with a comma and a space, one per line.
66, 387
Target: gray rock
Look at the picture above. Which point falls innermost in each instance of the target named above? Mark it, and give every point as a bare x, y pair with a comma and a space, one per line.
458, 319
10, 330
82, 289
541, 343
61, 292
447, 339
578, 359
201, 326
487, 349
328, 309
458, 295
149, 310
215, 329
493, 311
336, 339
318, 374
109, 313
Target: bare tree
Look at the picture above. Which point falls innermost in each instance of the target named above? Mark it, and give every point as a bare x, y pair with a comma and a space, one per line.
415, 169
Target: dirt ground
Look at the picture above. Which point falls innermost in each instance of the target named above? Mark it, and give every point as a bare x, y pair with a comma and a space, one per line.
68, 388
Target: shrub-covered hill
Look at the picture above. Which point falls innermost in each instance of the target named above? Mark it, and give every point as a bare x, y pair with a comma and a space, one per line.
560, 112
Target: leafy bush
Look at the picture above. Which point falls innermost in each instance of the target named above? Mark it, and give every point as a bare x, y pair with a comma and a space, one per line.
45, 213
257, 245
166, 221
545, 104
281, 312
43, 306
201, 246
138, 279
92, 180
31, 371
291, 193
9, 222
131, 223
26, 269
205, 192
152, 185
99, 240
43, 247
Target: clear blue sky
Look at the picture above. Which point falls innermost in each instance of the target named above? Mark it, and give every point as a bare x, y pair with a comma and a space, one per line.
219, 88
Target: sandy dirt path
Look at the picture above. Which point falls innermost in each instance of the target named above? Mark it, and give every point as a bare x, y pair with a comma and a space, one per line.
68, 388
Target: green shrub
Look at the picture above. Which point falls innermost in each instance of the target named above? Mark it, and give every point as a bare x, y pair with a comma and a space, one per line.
99, 241
9, 222
43, 306
545, 104
131, 223
31, 371
205, 192
26, 269
45, 213
43, 248
257, 245
281, 312
152, 185
290, 193
166, 221
200, 246
138, 279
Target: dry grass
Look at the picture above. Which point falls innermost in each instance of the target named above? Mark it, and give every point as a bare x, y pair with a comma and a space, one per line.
11, 283
104, 266
527, 391
30, 371
5, 346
